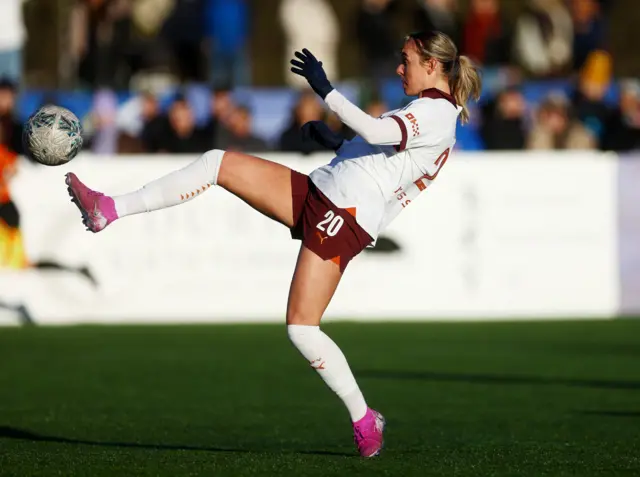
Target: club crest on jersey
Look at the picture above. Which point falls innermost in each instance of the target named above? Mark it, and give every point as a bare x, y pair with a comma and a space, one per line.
414, 124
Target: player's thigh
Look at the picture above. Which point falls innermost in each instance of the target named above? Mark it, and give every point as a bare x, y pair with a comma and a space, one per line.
263, 184
314, 283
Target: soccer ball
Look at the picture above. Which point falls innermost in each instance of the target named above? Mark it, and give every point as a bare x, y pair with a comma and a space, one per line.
52, 136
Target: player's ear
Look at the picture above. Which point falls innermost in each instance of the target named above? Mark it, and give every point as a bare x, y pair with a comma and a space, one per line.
434, 64
430, 66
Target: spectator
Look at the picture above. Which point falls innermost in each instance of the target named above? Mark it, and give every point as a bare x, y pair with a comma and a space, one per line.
593, 83
376, 108
503, 126
338, 127
544, 38
140, 124
100, 38
589, 29
307, 109
100, 128
131, 117
227, 30
11, 246
10, 127
485, 34
147, 56
310, 24
238, 136
377, 38
554, 128
148, 17
222, 107
622, 131
12, 254
12, 36
153, 123
180, 134
184, 30
438, 15
222, 104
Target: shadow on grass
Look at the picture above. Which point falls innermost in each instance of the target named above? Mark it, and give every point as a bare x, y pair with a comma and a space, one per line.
497, 379
634, 414
25, 435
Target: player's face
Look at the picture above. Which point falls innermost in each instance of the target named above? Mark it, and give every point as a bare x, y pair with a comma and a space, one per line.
416, 75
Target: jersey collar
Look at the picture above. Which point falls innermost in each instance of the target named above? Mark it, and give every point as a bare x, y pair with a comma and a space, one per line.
434, 93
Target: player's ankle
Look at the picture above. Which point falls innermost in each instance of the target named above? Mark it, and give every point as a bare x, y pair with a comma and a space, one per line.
108, 208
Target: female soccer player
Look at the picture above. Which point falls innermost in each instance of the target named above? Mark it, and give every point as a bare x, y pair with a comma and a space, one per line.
341, 207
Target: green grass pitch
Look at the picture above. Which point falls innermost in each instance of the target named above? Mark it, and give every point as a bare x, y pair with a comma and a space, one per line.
461, 399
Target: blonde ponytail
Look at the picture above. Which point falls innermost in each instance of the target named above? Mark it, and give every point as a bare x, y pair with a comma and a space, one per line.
465, 83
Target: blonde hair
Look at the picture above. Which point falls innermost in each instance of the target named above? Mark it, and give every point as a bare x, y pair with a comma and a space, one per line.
463, 76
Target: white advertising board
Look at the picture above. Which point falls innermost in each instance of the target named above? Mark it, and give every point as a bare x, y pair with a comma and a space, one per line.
495, 237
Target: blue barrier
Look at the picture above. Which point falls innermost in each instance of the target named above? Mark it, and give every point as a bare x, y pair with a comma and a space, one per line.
272, 107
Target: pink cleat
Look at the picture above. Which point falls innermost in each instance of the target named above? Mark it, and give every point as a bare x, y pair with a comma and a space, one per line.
367, 433
98, 210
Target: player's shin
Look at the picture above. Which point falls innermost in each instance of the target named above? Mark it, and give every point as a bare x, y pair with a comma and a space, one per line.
328, 360
175, 188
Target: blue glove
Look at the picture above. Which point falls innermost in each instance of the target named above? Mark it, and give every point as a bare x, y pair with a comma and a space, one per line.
311, 69
320, 132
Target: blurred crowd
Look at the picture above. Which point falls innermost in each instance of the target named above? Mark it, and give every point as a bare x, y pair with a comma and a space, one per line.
149, 46
113, 42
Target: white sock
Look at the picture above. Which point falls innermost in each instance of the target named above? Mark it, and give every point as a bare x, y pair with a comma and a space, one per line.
327, 359
173, 189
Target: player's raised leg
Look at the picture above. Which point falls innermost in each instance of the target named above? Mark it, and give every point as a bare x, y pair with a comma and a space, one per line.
264, 185
314, 283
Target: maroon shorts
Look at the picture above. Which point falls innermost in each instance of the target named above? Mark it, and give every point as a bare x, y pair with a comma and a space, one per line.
328, 231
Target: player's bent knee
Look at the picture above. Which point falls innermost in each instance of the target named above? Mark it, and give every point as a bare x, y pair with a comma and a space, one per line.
302, 317
212, 160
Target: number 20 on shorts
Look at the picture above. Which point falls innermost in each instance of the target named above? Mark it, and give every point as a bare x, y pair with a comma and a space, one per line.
331, 224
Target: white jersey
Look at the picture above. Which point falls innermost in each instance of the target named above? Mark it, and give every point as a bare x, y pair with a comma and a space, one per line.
375, 182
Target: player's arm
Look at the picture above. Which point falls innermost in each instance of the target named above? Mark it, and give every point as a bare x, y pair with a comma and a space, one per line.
383, 131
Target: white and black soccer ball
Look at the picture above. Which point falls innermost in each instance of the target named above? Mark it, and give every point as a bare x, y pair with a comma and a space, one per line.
52, 136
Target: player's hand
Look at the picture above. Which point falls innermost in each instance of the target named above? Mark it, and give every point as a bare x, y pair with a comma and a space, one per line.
311, 69
322, 134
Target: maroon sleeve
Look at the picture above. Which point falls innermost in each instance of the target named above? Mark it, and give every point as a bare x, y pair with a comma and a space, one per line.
403, 129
